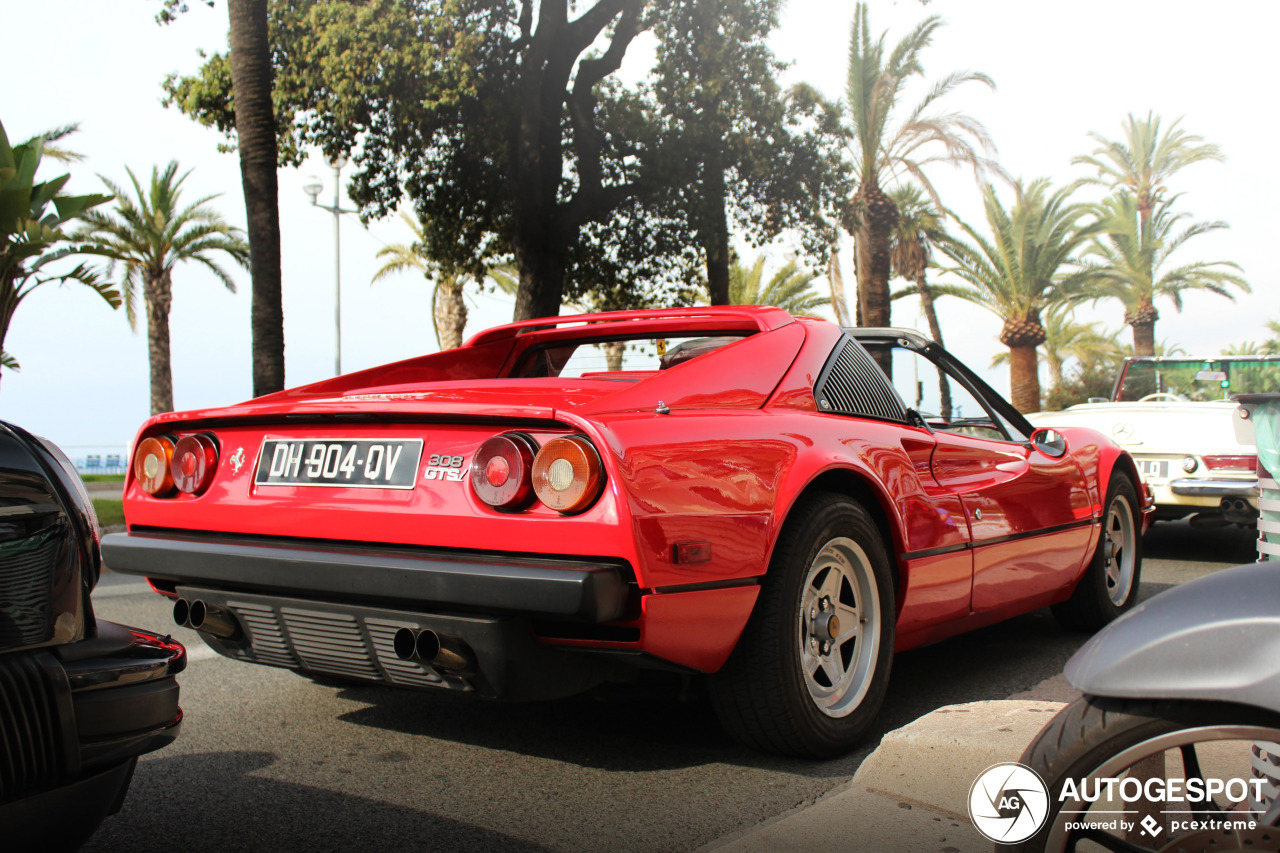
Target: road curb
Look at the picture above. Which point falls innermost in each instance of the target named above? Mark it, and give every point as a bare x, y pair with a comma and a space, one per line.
911, 793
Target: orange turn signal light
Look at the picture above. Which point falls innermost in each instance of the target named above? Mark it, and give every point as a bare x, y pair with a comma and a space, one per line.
568, 475
151, 464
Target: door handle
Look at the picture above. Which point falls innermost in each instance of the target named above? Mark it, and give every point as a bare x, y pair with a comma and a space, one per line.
1017, 466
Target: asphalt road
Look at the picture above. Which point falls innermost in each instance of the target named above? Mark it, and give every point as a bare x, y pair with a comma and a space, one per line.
270, 761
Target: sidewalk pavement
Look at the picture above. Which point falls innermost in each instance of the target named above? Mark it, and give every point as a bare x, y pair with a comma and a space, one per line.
910, 795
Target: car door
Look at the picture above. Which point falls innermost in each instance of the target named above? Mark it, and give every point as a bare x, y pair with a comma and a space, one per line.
1029, 513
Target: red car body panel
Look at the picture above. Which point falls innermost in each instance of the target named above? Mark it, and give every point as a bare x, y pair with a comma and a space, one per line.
709, 455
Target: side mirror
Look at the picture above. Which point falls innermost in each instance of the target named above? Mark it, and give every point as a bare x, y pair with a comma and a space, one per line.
1050, 442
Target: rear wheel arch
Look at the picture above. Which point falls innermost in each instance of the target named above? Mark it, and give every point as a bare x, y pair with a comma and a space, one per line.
858, 488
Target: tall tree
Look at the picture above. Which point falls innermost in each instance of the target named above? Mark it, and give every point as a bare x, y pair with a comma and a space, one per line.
251, 81
1132, 259
875, 87
1141, 164
448, 307
918, 229
504, 124
730, 125
1065, 338
33, 217
247, 108
1022, 266
147, 236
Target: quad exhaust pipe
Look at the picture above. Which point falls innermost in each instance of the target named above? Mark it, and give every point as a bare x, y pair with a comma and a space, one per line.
209, 618
442, 652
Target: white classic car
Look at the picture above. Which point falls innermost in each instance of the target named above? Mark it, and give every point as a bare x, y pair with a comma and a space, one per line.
1176, 418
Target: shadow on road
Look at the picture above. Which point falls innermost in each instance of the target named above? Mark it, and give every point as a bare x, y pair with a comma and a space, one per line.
219, 802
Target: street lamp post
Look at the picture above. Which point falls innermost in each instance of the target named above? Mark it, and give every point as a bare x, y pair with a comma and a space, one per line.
312, 187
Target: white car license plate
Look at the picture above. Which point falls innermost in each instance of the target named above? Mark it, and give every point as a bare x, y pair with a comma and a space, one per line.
1157, 468
351, 463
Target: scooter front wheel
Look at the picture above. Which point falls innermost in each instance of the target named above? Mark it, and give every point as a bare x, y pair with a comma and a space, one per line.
1148, 776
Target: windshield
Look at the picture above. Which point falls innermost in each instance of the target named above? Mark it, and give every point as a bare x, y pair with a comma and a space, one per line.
1199, 380
623, 359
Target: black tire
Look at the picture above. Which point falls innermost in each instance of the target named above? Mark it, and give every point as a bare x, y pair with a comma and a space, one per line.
783, 690
1099, 738
1109, 586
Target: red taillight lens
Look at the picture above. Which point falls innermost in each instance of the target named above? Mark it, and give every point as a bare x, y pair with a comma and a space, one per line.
1231, 463
195, 461
568, 474
501, 471
151, 465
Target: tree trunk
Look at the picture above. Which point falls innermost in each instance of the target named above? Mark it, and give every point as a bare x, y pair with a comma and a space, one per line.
935, 331
450, 311
256, 137
542, 266
1144, 338
614, 351
715, 237
1024, 378
8, 303
874, 243
836, 277
157, 292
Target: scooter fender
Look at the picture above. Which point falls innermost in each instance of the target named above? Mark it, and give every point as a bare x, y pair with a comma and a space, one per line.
1215, 638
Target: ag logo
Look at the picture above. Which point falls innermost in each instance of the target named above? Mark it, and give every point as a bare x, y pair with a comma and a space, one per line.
237, 460
1008, 803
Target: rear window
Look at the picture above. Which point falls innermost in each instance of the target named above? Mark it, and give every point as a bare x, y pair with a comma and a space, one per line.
625, 359
1199, 380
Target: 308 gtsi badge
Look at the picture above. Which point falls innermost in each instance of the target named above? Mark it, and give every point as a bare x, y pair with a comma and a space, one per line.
730, 492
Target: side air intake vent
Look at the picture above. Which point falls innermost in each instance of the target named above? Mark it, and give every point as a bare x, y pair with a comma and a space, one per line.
853, 385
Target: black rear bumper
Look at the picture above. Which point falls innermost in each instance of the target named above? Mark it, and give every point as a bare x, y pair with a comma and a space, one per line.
409, 577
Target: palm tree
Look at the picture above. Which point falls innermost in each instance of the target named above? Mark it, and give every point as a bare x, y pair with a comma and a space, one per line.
150, 234
32, 218
1142, 163
876, 80
1065, 337
790, 288
1131, 263
447, 305
918, 230
1020, 270
251, 80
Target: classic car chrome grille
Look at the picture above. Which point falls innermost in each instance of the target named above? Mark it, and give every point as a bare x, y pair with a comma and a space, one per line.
328, 642
29, 733
26, 585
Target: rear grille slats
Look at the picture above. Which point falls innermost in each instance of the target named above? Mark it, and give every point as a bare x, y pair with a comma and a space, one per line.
855, 386
330, 643
29, 733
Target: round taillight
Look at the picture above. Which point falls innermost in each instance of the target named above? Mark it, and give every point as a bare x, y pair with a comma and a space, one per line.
195, 460
567, 474
501, 471
151, 465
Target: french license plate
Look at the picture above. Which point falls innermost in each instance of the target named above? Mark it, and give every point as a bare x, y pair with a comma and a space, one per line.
1158, 468
349, 463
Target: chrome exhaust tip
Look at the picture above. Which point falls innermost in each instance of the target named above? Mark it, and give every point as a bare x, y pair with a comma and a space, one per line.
212, 619
405, 644
182, 612
447, 654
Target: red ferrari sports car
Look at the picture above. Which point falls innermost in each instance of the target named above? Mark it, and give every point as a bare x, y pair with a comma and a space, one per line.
732, 492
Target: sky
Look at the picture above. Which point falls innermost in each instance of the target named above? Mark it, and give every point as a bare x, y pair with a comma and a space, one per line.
1061, 71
